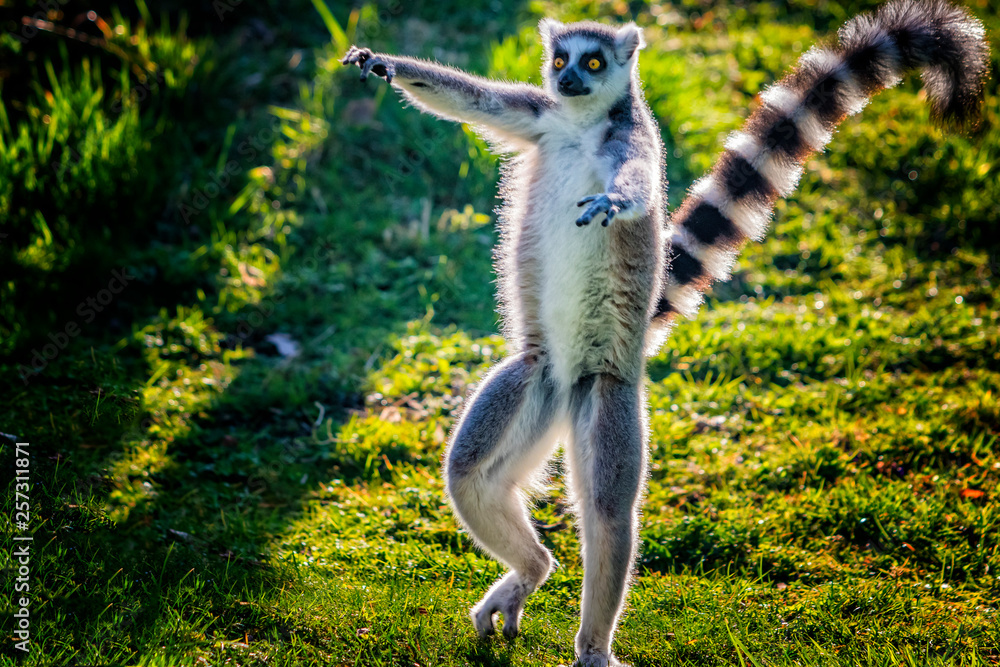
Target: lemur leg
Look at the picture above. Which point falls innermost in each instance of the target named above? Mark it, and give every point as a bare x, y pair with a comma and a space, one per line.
607, 461
506, 434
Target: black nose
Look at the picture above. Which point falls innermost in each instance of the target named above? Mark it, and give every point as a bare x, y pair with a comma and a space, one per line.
571, 85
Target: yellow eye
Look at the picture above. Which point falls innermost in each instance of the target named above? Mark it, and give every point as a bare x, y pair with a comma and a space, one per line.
558, 63
594, 63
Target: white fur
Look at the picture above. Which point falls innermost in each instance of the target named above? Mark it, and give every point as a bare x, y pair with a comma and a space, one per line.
780, 99
790, 103
752, 219
568, 296
628, 40
833, 63
547, 181
686, 299
812, 130
780, 174
821, 58
573, 256
718, 261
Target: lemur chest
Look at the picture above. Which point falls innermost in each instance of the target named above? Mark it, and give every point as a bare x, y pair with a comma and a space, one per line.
575, 268
568, 166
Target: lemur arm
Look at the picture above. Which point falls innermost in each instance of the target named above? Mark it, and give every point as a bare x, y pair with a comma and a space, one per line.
629, 169
509, 111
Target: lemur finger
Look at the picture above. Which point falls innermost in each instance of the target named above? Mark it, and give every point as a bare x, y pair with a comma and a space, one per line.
356, 56
588, 215
378, 67
598, 204
485, 622
366, 68
612, 212
351, 56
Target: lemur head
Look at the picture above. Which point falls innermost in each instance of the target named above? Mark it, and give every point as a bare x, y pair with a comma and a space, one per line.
587, 61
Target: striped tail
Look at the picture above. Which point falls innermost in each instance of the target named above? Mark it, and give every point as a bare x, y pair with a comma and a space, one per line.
763, 161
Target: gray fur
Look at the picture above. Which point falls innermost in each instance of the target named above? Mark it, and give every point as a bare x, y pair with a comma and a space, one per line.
492, 408
610, 454
503, 439
577, 299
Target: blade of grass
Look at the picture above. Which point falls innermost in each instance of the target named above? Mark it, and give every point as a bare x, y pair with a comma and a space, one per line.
337, 34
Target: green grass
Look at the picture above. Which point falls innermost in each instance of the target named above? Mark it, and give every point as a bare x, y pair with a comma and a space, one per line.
825, 456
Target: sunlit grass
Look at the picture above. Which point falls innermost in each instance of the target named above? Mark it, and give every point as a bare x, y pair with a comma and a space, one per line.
824, 463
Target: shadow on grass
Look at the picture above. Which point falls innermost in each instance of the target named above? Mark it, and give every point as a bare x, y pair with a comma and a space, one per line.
199, 486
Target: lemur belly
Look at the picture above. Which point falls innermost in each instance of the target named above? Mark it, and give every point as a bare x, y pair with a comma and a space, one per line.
575, 311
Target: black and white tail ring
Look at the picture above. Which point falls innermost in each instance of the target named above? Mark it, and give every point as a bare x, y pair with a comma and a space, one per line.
763, 161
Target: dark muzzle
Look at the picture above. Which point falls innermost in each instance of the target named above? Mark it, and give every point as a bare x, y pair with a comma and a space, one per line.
571, 85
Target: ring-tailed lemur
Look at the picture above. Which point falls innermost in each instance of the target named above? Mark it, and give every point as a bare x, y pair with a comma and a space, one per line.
582, 303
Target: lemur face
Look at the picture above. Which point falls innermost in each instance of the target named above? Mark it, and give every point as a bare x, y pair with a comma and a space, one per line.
578, 65
588, 60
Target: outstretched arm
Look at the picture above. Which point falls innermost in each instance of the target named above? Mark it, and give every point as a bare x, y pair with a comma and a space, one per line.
509, 111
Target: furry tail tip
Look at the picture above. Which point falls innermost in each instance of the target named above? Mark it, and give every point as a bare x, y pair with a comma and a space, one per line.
944, 41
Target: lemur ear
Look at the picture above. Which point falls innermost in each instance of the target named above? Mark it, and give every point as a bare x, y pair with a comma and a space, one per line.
628, 40
547, 29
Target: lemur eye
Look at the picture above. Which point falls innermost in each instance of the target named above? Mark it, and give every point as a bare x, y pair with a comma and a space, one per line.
594, 63
558, 63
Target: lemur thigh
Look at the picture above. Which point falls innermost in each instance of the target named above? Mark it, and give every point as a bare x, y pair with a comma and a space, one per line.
505, 435
608, 464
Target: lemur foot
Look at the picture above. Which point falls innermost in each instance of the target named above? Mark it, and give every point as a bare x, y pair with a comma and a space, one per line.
609, 204
596, 658
369, 63
506, 597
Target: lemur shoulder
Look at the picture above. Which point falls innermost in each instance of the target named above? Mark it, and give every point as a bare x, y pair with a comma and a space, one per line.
591, 274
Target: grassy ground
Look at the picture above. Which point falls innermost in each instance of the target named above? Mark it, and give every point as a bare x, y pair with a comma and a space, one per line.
824, 454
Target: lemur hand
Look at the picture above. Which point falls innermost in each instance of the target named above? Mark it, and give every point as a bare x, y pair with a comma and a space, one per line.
370, 63
609, 204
